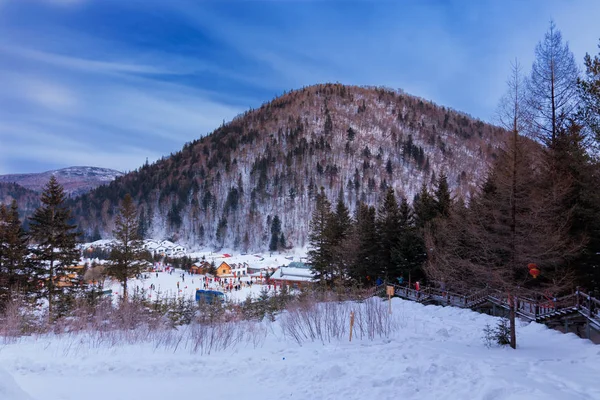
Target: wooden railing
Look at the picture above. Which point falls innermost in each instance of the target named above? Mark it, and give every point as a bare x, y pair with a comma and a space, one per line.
530, 305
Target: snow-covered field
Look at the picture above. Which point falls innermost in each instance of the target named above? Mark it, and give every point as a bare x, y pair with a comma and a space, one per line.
166, 283
436, 353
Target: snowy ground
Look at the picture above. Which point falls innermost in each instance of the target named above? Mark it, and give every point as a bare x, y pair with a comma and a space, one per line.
167, 283
437, 353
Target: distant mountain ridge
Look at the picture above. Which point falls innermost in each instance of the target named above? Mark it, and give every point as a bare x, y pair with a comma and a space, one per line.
225, 188
75, 180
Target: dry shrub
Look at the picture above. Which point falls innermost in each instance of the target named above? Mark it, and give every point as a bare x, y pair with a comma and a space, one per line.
324, 319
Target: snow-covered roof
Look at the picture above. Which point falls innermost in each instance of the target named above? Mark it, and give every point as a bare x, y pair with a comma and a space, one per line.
293, 274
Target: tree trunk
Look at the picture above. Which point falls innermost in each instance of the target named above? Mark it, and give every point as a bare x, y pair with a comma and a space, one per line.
513, 331
50, 289
124, 289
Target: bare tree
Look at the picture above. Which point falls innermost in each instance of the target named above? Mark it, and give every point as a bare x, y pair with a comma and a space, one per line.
553, 85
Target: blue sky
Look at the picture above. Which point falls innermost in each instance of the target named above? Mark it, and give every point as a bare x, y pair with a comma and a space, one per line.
110, 83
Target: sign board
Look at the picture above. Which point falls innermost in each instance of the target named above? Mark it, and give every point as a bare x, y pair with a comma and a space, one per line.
389, 290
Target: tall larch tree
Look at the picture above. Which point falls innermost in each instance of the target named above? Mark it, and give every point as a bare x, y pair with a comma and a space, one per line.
55, 250
552, 87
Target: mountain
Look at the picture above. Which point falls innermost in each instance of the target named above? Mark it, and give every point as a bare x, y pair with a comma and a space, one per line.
225, 188
75, 180
27, 199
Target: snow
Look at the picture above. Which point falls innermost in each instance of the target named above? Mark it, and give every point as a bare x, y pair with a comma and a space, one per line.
9, 390
435, 353
166, 283
293, 274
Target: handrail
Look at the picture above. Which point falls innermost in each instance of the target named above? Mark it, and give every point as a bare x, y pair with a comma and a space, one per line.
529, 304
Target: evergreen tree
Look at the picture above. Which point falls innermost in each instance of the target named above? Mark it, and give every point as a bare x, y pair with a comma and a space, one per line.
282, 243
409, 255
365, 267
589, 92
142, 228
275, 234
127, 257
56, 249
96, 235
221, 232
442, 199
569, 161
338, 231
319, 255
424, 207
388, 232
14, 264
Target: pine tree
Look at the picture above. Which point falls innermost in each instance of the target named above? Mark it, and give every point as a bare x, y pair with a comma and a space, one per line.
569, 161
589, 92
275, 234
409, 254
365, 266
388, 232
282, 242
442, 199
127, 256
319, 254
424, 207
338, 232
14, 263
56, 249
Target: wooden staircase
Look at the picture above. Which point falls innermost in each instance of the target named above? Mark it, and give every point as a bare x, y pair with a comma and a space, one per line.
532, 306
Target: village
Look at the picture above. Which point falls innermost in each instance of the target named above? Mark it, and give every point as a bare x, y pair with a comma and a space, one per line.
238, 275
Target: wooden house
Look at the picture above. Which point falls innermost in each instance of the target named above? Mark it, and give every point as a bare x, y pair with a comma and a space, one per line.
224, 270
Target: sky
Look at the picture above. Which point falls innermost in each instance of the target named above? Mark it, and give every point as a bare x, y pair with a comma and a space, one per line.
113, 83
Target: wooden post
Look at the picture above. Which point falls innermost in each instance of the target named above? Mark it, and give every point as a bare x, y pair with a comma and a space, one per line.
588, 330
390, 293
351, 323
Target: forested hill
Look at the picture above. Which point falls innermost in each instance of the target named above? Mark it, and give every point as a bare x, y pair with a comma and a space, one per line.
225, 188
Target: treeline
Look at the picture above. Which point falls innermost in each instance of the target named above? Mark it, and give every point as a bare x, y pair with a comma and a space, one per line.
42, 265
375, 244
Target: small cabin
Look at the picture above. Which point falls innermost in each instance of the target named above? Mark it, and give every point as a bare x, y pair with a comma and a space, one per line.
224, 270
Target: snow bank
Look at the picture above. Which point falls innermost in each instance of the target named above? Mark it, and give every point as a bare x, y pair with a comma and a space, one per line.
9, 390
436, 353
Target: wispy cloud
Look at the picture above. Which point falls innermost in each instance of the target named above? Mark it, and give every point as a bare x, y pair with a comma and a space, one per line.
112, 82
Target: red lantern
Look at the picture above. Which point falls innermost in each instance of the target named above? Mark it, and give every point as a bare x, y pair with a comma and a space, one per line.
533, 270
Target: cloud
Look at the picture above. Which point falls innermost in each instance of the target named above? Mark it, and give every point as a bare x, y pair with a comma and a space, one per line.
121, 80
50, 95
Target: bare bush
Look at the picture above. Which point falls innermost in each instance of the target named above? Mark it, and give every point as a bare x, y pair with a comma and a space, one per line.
312, 319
